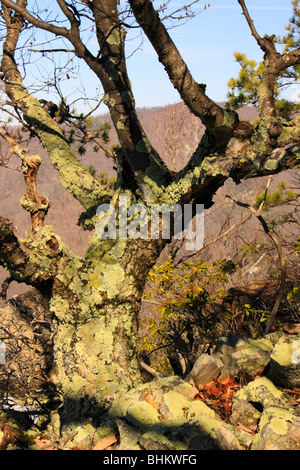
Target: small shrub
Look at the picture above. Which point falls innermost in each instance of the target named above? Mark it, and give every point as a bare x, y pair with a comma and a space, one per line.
192, 309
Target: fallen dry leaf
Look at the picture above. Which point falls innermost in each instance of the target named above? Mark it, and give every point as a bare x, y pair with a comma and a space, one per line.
105, 443
44, 444
218, 393
193, 392
227, 405
251, 429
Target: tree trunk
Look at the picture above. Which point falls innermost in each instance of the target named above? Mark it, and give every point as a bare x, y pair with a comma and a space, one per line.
95, 299
97, 360
96, 302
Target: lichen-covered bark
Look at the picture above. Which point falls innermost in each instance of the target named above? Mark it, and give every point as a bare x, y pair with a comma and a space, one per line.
96, 319
30, 262
147, 166
95, 302
74, 177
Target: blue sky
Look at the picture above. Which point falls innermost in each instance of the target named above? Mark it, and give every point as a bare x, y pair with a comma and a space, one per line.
207, 44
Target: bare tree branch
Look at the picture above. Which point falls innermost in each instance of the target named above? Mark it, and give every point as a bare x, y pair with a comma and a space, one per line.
193, 94
20, 7
266, 43
31, 201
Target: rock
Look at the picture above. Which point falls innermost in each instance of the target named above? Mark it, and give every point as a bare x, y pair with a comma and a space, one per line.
157, 441
205, 369
198, 433
215, 434
241, 356
128, 436
152, 391
83, 437
279, 429
163, 417
244, 413
285, 362
142, 414
262, 393
292, 328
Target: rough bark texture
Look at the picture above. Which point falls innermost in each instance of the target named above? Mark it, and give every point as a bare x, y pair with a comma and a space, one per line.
96, 341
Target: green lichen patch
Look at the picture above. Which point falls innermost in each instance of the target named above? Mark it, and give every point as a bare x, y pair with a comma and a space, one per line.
229, 119
73, 176
261, 343
116, 36
271, 165
198, 408
286, 349
278, 430
142, 414
60, 307
290, 132
176, 403
263, 391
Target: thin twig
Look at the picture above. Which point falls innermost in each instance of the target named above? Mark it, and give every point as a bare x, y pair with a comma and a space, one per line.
149, 369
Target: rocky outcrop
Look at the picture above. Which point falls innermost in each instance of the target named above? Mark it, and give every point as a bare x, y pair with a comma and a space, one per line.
279, 429
235, 356
277, 355
254, 381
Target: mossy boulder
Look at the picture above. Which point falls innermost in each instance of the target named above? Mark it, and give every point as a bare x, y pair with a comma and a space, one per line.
245, 413
285, 362
243, 356
162, 416
279, 429
197, 433
263, 393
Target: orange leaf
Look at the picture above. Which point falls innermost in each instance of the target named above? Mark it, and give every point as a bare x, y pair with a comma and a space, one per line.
227, 407
213, 388
193, 392
44, 444
200, 396
228, 380
105, 443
